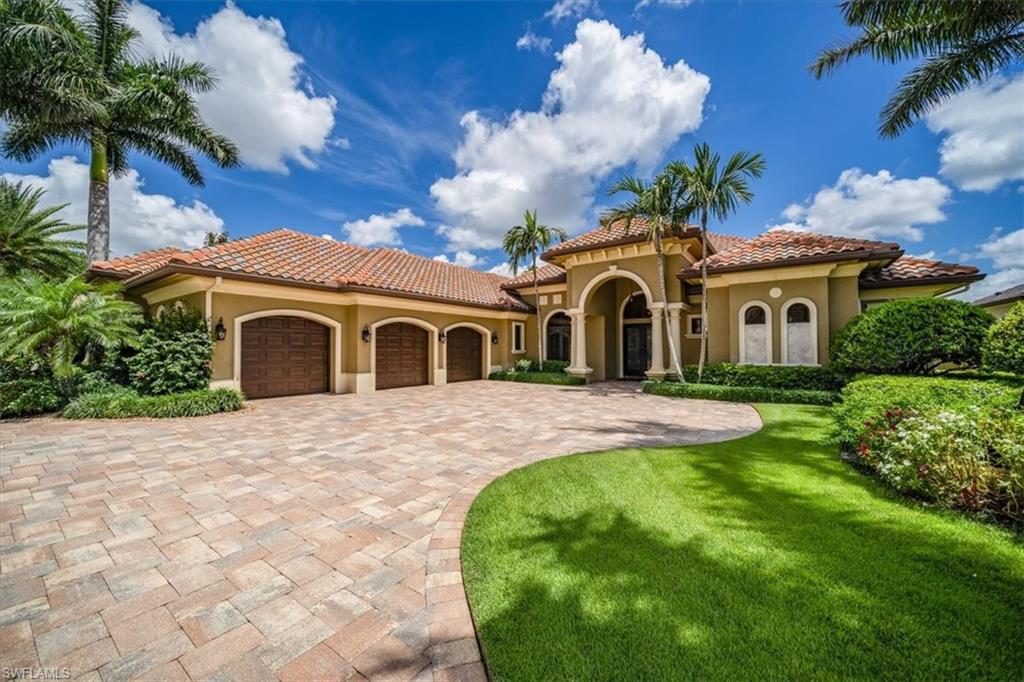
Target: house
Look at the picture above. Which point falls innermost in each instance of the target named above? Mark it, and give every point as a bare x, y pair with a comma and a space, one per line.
1000, 302
294, 313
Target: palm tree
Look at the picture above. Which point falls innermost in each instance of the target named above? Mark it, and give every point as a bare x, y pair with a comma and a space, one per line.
527, 241
216, 238
28, 235
76, 80
708, 191
657, 204
962, 42
63, 321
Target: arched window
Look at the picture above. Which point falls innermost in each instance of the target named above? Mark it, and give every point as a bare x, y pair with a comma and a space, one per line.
559, 336
636, 307
800, 334
755, 333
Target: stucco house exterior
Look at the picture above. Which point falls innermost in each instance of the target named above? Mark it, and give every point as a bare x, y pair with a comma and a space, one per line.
999, 303
294, 313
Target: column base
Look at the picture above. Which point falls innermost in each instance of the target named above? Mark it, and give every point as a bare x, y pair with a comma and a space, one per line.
583, 372
656, 374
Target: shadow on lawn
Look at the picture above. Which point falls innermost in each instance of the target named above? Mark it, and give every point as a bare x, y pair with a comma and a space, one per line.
772, 573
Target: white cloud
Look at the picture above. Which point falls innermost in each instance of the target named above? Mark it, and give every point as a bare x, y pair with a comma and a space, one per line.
261, 101
868, 206
138, 221
993, 283
984, 128
505, 270
565, 9
671, 4
381, 229
1004, 250
532, 41
463, 258
611, 102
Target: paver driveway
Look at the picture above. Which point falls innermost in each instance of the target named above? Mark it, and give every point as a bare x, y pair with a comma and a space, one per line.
306, 538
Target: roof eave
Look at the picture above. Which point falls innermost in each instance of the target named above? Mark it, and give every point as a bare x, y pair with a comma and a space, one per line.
965, 278
686, 233
869, 254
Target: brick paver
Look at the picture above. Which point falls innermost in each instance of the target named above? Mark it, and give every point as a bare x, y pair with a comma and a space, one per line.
313, 537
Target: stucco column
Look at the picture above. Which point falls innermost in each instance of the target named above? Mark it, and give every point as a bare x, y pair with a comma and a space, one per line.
657, 370
579, 344
674, 331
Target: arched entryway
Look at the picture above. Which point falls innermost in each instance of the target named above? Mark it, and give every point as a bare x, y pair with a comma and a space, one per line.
635, 336
558, 337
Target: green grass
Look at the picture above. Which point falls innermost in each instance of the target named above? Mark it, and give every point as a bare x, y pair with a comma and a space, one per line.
764, 557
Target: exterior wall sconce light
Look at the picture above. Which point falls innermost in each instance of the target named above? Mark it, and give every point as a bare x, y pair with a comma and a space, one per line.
366, 334
494, 338
220, 331
442, 336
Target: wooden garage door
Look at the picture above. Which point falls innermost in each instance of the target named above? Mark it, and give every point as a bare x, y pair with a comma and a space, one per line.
464, 354
401, 355
284, 356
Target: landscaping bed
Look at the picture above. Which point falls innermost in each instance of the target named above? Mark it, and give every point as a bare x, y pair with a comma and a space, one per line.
124, 403
765, 553
529, 377
758, 394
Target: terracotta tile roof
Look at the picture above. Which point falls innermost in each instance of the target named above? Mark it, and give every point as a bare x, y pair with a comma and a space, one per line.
785, 247
546, 274
617, 233
137, 264
907, 270
1008, 296
301, 258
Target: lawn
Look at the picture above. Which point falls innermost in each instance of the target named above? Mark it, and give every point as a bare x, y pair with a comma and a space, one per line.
761, 557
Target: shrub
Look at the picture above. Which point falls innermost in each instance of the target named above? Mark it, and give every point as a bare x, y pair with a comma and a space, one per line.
1004, 346
555, 378
770, 376
23, 397
524, 365
174, 355
911, 336
971, 459
122, 403
743, 394
868, 398
549, 366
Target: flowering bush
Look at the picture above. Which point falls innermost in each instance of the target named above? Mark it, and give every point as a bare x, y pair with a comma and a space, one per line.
970, 459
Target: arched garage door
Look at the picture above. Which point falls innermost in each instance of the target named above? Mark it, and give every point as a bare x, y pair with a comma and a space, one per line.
401, 355
464, 354
284, 355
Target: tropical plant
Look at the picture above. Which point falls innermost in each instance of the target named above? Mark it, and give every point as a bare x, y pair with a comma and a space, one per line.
29, 235
657, 204
709, 191
963, 42
215, 238
64, 322
912, 336
68, 79
525, 242
174, 354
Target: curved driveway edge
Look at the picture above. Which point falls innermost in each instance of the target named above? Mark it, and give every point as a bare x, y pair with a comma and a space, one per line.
307, 538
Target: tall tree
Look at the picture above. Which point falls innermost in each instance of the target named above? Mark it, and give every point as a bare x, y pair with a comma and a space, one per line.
963, 42
711, 190
63, 320
657, 204
68, 79
526, 242
30, 236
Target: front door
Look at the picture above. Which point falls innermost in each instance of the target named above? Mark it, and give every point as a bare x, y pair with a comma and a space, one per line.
636, 349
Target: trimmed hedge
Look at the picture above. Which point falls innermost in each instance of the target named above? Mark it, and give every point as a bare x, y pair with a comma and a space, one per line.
870, 398
124, 403
912, 336
554, 378
1004, 347
740, 394
803, 377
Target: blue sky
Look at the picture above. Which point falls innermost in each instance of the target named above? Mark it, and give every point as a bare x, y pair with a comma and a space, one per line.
346, 111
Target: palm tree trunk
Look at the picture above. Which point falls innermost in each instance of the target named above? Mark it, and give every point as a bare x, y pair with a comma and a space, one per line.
703, 295
98, 232
536, 300
664, 309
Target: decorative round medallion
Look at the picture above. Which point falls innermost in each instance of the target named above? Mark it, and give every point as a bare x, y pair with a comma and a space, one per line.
775, 292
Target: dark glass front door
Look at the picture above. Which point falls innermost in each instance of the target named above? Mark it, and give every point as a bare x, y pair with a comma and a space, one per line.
636, 349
